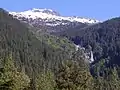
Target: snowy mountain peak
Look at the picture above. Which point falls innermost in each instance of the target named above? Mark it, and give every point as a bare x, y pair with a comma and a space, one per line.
47, 11
40, 10
49, 17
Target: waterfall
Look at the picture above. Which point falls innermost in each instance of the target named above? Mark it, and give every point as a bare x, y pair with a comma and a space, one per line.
91, 57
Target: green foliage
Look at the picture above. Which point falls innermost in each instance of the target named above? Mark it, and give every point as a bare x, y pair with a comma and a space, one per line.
99, 68
45, 81
29, 51
10, 78
104, 38
109, 82
56, 42
37, 53
113, 79
72, 77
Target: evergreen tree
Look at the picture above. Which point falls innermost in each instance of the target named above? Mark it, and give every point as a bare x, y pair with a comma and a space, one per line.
113, 79
45, 81
72, 77
10, 78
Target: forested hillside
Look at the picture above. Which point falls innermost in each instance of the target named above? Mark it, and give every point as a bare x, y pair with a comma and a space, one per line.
39, 61
103, 38
27, 50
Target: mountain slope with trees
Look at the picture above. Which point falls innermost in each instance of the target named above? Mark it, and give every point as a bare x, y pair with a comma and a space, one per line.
103, 38
28, 62
27, 50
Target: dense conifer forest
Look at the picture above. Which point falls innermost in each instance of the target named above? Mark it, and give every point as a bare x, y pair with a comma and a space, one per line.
30, 61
